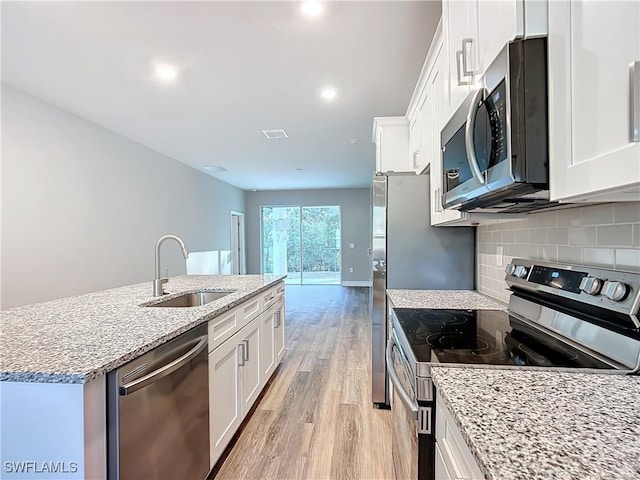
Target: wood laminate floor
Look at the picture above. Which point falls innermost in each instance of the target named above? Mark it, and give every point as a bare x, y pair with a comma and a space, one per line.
316, 420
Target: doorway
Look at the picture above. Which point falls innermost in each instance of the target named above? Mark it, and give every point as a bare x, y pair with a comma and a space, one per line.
238, 266
302, 242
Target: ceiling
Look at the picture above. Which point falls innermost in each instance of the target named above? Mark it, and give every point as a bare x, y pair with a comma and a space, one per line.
242, 67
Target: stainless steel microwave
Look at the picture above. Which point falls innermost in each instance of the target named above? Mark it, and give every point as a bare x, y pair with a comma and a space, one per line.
495, 151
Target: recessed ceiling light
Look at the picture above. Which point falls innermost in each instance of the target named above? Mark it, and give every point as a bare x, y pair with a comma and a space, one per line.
312, 8
328, 93
165, 72
298, 169
353, 141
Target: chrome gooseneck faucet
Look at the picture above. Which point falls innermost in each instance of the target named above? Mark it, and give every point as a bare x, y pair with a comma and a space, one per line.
158, 289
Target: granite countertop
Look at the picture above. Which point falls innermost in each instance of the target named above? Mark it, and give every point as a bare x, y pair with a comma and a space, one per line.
76, 339
461, 299
546, 425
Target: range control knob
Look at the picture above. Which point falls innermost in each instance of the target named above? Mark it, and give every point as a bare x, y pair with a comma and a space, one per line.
615, 291
510, 269
590, 285
520, 271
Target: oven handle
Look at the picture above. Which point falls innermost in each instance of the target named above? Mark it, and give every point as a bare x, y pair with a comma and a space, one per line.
468, 135
408, 400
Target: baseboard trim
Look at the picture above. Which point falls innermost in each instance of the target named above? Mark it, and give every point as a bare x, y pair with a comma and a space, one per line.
355, 283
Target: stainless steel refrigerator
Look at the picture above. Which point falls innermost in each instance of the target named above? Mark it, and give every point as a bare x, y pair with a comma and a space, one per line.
408, 253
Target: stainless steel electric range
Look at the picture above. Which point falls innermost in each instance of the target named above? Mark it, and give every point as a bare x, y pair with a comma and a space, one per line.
560, 317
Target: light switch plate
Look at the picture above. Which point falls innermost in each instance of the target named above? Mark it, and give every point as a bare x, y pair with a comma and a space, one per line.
499, 254
352, 245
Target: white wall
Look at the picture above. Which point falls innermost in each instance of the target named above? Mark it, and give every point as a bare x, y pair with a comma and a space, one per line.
82, 206
605, 235
355, 208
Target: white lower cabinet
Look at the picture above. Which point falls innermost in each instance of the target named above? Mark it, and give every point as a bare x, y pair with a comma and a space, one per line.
240, 366
225, 406
454, 460
272, 339
250, 370
278, 331
267, 350
441, 468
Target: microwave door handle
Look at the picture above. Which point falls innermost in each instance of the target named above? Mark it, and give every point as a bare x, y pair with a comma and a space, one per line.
468, 135
634, 98
407, 399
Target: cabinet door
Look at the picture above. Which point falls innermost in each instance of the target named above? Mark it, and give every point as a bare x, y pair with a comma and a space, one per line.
441, 468
250, 372
425, 114
225, 413
392, 144
457, 459
498, 23
415, 138
278, 332
461, 32
437, 82
591, 48
267, 349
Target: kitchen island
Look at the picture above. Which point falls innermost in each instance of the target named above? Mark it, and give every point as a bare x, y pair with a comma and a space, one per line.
546, 425
55, 357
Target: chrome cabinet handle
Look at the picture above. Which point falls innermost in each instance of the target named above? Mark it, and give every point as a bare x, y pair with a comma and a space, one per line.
415, 158
408, 400
168, 369
246, 350
277, 319
242, 360
634, 101
459, 61
466, 71
468, 135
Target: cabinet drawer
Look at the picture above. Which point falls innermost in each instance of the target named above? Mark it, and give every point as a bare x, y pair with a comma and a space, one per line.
223, 327
457, 458
272, 295
250, 309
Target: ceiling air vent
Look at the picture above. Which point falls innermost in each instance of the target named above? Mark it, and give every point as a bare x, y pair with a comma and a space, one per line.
214, 168
274, 134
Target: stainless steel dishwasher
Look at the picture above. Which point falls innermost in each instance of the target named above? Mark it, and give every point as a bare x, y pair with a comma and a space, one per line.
158, 412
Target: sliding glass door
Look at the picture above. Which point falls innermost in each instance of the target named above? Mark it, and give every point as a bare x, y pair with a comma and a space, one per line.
302, 242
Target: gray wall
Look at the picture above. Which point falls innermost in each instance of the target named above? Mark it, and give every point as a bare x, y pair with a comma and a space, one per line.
355, 208
604, 235
82, 207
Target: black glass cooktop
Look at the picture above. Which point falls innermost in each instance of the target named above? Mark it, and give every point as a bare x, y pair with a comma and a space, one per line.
491, 337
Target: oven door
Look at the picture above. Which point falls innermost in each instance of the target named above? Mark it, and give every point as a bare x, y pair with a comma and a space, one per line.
413, 440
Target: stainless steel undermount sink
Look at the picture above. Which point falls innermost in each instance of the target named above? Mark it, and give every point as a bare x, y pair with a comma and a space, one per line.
191, 299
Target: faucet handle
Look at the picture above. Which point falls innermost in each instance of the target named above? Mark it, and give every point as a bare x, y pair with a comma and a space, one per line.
158, 289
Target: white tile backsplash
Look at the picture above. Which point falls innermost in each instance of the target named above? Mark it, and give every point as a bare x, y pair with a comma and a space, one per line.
605, 235
615, 235
582, 236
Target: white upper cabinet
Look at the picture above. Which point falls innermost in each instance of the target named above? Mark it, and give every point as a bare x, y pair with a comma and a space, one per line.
439, 216
475, 33
391, 136
460, 25
594, 100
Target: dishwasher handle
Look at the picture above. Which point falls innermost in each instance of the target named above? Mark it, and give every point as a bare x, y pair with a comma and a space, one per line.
167, 369
408, 400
